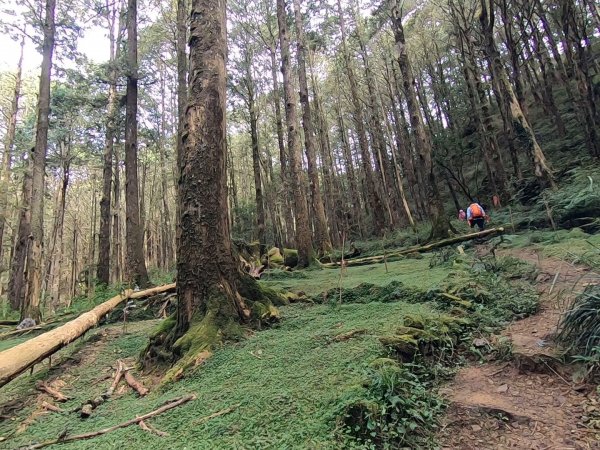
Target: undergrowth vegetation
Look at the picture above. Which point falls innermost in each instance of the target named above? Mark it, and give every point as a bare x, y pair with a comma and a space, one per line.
580, 329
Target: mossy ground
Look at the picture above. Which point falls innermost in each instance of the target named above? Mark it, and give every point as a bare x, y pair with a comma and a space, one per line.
412, 272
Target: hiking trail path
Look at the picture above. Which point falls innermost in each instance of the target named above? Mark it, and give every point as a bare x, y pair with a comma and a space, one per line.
531, 402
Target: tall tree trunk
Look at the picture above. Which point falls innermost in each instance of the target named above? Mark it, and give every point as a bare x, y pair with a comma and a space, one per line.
373, 198
166, 231
513, 52
210, 284
182, 91
53, 256
9, 141
136, 267
31, 306
440, 223
321, 235
332, 191
258, 184
103, 269
577, 55
303, 234
541, 167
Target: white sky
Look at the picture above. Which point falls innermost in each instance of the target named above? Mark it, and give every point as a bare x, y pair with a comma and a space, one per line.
94, 44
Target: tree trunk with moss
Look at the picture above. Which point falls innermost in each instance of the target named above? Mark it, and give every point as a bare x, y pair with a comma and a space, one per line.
440, 224
215, 297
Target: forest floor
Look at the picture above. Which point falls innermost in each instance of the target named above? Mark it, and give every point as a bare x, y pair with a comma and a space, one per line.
288, 386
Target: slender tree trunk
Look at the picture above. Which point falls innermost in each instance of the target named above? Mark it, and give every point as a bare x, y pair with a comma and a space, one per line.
166, 228
283, 159
31, 306
576, 53
136, 267
9, 141
440, 223
258, 184
373, 197
541, 167
321, 235
332, 193
303, 234
103, 270
18, 270
117, 266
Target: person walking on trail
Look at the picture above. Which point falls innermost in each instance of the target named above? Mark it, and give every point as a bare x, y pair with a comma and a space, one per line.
476, 216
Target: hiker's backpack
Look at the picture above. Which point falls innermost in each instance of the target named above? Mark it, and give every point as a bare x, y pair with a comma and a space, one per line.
476, 211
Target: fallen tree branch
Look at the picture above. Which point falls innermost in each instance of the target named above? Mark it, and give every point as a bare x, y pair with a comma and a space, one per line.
116, 380
416, 249
20, 332
135, 384
19, 358
54, 393
51, 407
79, 437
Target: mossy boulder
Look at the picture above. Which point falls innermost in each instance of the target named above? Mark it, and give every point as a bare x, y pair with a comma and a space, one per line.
274, 258
290, 257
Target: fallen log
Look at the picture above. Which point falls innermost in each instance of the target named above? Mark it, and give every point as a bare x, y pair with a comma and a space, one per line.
78, 437
416, 249
9, 322
19, 358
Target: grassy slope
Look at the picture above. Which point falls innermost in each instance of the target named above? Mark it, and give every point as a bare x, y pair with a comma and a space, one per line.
290, 397
412, 272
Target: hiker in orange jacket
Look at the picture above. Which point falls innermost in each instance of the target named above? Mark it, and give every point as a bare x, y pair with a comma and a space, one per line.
476, 216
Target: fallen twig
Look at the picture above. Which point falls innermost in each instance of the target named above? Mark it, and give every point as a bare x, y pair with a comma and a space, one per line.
78, 437
149, 428
217, 414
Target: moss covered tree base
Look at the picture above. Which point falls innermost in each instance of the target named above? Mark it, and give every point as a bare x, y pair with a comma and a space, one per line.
226, 315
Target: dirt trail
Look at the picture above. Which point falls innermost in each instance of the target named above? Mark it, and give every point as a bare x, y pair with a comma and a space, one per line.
530, 403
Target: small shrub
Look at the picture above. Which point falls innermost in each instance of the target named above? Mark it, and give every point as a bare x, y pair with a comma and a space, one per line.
398, 411
580, 327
